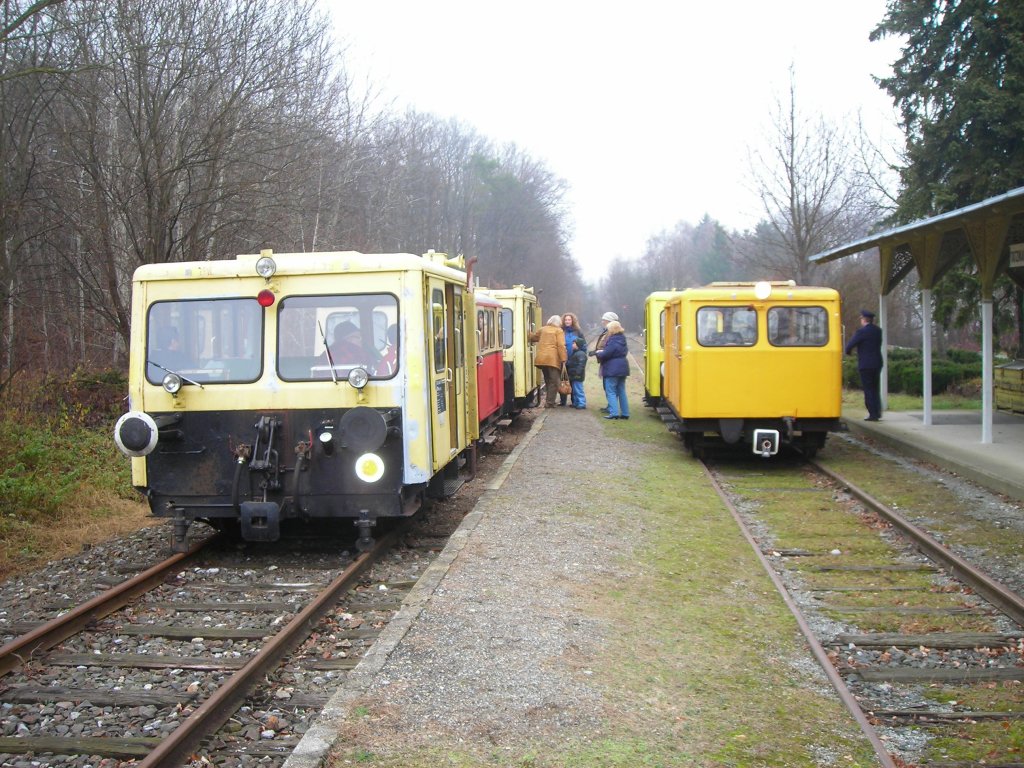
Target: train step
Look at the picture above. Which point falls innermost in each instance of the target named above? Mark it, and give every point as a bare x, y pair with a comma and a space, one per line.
453, 483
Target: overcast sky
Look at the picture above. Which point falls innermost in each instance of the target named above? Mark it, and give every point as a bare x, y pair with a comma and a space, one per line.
648, 111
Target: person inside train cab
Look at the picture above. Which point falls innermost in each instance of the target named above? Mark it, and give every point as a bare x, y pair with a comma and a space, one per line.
868, 343
166, 353
347, 346
389, 356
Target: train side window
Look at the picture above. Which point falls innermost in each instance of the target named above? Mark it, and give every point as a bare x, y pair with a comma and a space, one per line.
726, 326
797, 326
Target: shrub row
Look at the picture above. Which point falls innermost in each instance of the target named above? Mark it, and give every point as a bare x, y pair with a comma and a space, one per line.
906, 371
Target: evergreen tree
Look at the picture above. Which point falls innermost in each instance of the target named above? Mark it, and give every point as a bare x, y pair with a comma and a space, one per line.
959, 85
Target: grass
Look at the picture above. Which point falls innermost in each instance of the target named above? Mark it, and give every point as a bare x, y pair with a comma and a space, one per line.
703, 664
898, 401
62, 487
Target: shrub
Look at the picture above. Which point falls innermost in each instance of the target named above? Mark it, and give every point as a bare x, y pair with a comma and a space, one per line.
83, 399
906, 371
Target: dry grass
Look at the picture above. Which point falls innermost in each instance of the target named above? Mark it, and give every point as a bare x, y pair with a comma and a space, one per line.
90, 518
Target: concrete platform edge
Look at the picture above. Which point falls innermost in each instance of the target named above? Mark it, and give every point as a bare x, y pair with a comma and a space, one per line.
937, 456
316, 743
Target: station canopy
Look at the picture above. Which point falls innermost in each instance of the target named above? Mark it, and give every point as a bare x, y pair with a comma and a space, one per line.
990, 232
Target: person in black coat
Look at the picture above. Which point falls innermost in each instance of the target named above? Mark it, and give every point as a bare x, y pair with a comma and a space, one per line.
576, 367
868, 343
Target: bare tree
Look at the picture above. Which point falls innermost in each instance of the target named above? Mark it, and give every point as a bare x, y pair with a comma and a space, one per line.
810, 196
186, 133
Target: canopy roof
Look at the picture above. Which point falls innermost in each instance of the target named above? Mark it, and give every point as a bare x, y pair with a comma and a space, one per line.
989, 231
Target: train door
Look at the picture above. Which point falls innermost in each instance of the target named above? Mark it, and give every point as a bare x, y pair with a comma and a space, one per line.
444, 411
673, 353
461, 389
532, 323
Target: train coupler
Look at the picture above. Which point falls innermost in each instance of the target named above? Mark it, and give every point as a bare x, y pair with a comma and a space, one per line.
365, 541
260, 521
766, 442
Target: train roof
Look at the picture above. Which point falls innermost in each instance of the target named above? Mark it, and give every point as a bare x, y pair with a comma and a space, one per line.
486, 300
515, 290
318, 262
750, 291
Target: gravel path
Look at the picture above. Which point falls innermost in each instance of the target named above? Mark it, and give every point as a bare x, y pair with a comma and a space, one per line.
513, 667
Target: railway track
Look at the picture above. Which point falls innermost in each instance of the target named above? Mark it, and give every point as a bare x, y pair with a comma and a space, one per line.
923, 646
168, 671
221, 656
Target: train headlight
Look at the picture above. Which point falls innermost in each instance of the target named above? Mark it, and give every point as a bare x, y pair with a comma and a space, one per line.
136, 434
762, 290
266, 267
358, 377
172, 383
369, 467
326, 438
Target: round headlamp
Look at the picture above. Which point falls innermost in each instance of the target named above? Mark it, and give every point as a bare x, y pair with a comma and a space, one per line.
762, 290
358, 377
172, 383
369, 467
266, 267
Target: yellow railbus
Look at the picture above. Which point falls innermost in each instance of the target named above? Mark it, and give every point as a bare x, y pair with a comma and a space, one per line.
299, 386
754, 364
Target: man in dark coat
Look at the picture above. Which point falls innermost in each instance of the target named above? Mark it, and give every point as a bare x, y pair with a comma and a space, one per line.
868, 343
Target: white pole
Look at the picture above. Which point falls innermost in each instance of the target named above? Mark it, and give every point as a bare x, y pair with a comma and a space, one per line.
926, 350
987, 372
883, 383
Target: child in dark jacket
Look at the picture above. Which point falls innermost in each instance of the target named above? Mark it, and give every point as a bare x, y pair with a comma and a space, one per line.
576, 367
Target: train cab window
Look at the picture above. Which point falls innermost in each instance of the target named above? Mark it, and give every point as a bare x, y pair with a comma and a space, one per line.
505, 327
797, 326
487, 339
438, 330
209, 341
726, 326
318, 333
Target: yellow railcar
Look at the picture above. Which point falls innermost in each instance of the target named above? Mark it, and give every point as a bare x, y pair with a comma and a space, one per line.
654, 345
520, 316
757, 364
300, 385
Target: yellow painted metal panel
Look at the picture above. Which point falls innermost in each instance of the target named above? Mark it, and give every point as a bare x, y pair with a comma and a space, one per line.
757, 381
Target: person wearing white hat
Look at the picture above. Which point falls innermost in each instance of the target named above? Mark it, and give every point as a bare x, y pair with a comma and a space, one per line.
606, 318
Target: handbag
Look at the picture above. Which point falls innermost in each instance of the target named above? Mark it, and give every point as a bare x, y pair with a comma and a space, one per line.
564, 385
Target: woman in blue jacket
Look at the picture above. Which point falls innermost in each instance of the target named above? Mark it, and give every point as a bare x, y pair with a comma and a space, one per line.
614, 370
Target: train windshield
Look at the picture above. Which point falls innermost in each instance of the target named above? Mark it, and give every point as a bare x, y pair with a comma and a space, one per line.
797, 326
318, 333
205, 340
726, 326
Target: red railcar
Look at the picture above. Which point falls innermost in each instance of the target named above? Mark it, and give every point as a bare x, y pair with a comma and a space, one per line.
490, 375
